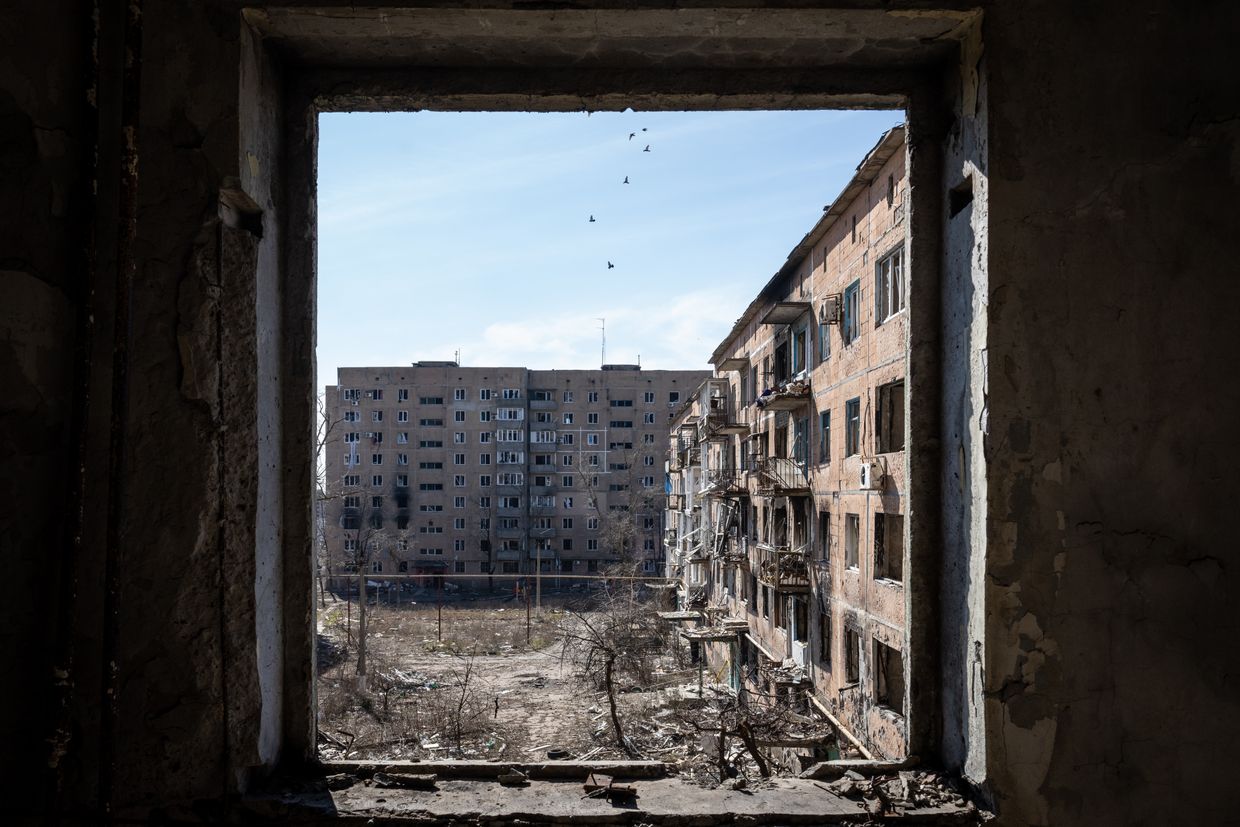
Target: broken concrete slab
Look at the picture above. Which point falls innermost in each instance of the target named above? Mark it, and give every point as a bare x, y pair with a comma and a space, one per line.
863, 767
661, 801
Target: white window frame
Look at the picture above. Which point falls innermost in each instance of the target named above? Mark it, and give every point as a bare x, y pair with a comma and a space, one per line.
890, 286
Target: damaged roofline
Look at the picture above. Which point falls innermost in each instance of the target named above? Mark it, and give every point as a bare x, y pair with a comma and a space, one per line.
882, 151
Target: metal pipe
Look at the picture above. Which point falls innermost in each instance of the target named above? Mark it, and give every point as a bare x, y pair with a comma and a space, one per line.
840, 728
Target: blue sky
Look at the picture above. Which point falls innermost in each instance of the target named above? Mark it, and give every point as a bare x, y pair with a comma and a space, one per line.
484, 219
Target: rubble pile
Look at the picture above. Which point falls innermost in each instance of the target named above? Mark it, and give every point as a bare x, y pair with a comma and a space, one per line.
896, 793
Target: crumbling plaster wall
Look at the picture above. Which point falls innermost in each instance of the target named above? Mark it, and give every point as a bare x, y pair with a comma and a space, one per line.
964, 420
1111, 404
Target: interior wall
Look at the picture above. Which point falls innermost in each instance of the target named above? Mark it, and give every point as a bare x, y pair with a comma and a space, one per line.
44, 198
1098, 566
1111, 401
963, 459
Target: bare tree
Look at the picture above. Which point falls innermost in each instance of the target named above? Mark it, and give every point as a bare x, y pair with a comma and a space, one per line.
368, 535
754, 718
326, 435
615, 641
466, 711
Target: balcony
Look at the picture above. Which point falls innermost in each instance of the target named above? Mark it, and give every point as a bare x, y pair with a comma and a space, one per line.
686, 445
542, 404
510, 533
675, 502
782, 567
725, 482
781, 477
735, 552
719, 418
509, 554
787, 396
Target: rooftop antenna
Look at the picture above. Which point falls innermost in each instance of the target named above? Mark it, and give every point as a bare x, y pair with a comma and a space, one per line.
603, 328
458, 357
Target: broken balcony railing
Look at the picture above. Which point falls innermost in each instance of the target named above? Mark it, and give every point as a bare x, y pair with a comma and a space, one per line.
724, 482
781, 477
735, 551
721, 421
787, 396
782, 567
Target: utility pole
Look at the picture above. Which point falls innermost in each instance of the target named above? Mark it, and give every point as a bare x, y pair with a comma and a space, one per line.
538, 576
603, 354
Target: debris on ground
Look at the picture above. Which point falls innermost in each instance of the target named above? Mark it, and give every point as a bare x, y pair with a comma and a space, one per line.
898, 792
406, 781
513, 778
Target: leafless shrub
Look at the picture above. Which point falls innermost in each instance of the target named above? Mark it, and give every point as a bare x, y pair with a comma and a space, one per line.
754, 718
614, 644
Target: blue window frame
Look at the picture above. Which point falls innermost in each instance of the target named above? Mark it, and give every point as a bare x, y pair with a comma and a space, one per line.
824, 437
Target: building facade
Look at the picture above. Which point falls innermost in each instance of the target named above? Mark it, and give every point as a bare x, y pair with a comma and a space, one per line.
490, 474
787, 472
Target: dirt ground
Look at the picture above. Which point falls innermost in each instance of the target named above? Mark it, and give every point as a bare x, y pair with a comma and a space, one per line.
524, 699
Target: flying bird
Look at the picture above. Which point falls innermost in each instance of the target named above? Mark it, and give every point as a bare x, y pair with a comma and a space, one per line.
633, 135
591, 219
626, 179
611, 266
647, 149
643, 129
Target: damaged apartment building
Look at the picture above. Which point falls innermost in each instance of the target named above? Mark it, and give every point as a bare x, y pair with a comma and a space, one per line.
482, 475
785, 525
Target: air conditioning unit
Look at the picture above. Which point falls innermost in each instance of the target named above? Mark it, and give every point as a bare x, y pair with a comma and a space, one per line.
871, 476
832, 309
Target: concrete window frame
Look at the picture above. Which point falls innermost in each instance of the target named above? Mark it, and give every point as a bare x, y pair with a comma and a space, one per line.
301, 60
